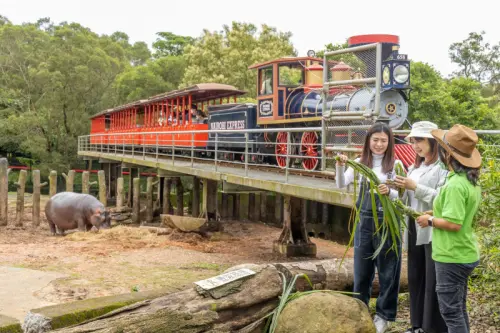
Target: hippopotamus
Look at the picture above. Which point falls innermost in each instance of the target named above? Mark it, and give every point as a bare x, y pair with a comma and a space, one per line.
69, 210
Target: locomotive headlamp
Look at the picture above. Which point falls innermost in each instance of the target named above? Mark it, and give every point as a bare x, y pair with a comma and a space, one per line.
401, 74
396, 72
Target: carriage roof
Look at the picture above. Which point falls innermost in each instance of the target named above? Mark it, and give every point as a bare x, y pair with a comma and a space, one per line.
201, 92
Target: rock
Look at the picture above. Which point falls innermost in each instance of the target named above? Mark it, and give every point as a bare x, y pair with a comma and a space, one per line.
325, 312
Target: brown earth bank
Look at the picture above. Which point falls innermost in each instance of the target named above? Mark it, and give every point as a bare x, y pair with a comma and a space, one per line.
129, 258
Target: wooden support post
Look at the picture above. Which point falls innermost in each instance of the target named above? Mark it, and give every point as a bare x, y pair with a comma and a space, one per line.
136, 204
161, 189
53, 183
304, 211
313, 207
134, 173
196, 197
4, 191
102, 187
86, 183
70, 180
119, 192
149, 200
251, 207
167, 202
179, 190
278, 209
36, 198
236, 206
21, 185
210, 199
293, 240
224, 205
324, 215
263, 206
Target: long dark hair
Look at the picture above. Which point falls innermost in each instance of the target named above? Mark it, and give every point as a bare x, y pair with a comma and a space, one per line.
434, 151
471, 173
366, 155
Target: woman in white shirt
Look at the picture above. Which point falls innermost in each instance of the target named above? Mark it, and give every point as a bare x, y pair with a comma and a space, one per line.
378, 154
421, 184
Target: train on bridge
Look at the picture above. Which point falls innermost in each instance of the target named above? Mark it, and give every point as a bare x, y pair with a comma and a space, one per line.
291, 92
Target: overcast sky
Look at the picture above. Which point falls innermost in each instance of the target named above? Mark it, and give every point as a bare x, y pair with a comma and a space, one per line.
426, 28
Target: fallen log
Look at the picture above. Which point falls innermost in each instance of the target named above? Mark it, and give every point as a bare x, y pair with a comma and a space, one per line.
236, 306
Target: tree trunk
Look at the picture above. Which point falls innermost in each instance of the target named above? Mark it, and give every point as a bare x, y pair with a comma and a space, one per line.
36, 197
21, 185
236, 307
70, 179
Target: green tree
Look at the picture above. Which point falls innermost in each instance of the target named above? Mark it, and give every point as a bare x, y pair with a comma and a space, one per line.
448, 102
348, 58
53, 78
477, 59
224, 56
156, 76
169, 44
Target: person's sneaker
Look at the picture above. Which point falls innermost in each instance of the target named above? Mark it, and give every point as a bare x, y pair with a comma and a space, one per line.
380, 324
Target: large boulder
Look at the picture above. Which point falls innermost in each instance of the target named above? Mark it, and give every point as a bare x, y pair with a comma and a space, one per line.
325, 312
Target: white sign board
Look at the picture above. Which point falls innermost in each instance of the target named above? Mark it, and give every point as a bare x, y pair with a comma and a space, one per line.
225, 278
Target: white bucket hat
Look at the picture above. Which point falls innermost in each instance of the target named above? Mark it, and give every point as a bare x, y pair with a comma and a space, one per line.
421, 129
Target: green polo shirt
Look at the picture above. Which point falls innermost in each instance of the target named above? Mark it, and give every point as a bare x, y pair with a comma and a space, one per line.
457, 202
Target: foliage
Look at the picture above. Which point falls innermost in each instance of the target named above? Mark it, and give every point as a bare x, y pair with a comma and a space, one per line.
448, 102
489, 181
169, 44
53, 78
477, 59
484, 282
156, 76
224, 56
348, 58
390, 227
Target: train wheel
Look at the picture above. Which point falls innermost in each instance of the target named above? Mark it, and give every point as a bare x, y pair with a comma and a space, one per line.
309, 147
280, 149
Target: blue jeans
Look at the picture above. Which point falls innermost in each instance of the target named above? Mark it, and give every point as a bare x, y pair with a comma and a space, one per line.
451, 289
388, 265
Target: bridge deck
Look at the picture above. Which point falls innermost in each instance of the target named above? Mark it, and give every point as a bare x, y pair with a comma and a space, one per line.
316, 189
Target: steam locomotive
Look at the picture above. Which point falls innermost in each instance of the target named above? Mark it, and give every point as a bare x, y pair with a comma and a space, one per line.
290, 93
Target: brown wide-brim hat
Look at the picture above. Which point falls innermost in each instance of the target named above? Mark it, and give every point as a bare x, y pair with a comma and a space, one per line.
460, 141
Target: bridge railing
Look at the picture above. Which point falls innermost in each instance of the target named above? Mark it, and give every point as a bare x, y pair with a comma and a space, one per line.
278, 150
248, 149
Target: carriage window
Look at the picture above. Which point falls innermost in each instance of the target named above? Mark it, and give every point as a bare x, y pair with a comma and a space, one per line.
139, 119
107, 122
266, 81
290, 75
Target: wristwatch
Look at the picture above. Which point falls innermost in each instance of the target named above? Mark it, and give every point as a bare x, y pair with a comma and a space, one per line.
429, 221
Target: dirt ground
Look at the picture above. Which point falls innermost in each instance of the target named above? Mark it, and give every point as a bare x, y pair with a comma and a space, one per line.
128, 258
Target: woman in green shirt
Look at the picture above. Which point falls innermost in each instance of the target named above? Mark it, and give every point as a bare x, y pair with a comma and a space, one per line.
454, 245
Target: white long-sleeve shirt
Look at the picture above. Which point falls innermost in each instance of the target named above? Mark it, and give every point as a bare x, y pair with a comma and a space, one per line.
344, 178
